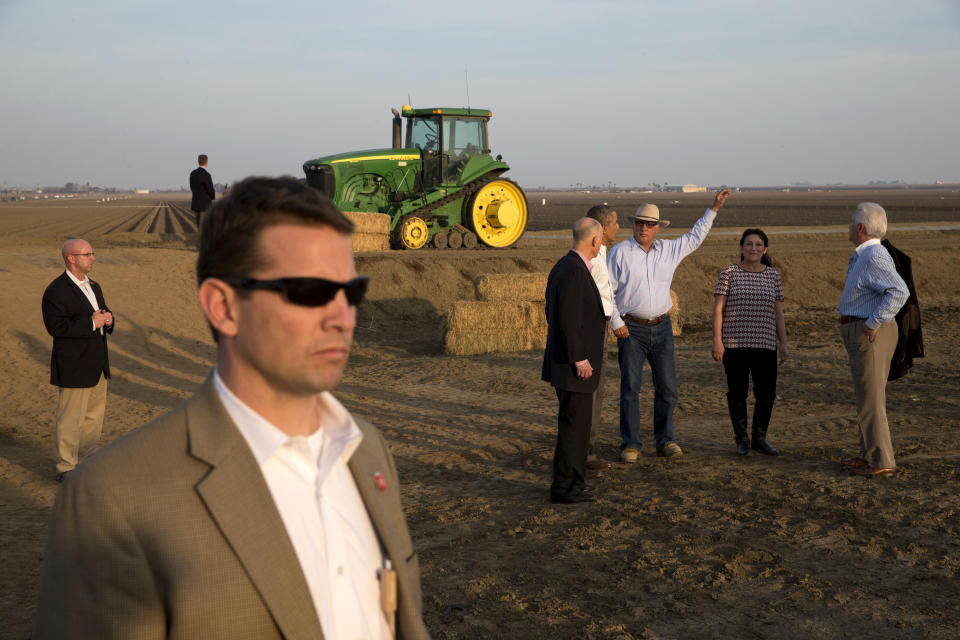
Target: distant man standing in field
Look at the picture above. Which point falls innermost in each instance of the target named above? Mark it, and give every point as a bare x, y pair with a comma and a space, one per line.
641, 271
76, 315
575, 336
201, 185
260, 507
607, 217
872, 296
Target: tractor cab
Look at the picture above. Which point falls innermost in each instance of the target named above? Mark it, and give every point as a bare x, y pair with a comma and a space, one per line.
447, 140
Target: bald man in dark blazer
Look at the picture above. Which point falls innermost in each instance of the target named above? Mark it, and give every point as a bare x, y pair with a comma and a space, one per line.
575, 340
76, 315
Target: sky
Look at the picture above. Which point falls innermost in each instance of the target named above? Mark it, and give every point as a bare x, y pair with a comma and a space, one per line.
627, 93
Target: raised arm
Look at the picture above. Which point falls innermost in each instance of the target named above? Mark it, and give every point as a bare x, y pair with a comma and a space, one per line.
720, 199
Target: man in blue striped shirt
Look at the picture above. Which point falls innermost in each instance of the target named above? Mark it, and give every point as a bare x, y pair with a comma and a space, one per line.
641, 270
872, 295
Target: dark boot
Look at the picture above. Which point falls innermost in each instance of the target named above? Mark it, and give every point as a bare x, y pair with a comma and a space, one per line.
738, 416
762, 411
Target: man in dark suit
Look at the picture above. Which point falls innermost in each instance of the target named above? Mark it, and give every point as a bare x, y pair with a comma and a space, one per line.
260, 508
76, 315
575, 338
201, 185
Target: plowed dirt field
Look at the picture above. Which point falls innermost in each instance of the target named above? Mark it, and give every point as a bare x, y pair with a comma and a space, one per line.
707, 546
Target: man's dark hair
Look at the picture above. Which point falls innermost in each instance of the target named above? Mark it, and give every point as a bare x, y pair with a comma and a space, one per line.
602, 214
230, 237
202, 159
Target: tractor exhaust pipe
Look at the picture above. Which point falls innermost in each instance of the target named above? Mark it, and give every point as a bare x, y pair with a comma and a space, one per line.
397, 129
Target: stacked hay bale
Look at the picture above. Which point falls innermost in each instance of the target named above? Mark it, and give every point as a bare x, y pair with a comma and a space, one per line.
676, 320
508, 316
511, 287
371, 231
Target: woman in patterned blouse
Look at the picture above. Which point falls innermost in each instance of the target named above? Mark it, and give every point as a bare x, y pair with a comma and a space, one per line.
747, 327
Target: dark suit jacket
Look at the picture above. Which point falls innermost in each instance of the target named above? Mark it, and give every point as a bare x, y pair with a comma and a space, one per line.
201, 184
910, 332
576, 325
171, 532
79, 351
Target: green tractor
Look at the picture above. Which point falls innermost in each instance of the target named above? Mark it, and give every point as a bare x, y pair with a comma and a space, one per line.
440, 187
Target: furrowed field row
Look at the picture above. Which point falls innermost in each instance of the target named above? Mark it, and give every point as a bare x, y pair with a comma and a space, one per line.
92, 222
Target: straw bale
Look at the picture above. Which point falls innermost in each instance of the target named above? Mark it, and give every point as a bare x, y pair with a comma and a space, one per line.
369, 242
676, 320
469, 343
469, 315
368, 222
510, 286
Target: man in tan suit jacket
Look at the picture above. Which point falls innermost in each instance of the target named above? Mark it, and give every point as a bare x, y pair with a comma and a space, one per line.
177, 530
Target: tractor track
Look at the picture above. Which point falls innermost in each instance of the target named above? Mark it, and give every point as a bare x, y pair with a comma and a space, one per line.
465, 193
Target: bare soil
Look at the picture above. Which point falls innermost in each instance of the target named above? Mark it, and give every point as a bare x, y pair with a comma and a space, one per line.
707, 546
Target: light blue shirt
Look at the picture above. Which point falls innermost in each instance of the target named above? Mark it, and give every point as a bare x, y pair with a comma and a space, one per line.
641, 280
873, 290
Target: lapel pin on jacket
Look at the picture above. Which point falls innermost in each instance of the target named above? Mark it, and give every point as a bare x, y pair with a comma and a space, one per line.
380, 480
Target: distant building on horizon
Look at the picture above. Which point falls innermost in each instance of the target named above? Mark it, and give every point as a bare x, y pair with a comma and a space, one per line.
687, 188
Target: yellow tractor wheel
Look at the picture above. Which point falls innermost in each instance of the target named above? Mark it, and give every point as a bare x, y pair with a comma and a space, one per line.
411, 233
497, 213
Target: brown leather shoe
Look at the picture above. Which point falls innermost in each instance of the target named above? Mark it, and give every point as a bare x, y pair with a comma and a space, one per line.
670, 450
873, 471
596, 464
856, 463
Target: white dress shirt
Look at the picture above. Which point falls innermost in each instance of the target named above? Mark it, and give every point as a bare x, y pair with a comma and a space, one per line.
87, 291
601, 276
322, 511
641, 279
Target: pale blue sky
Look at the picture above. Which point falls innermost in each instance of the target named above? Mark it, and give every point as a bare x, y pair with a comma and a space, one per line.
740, 93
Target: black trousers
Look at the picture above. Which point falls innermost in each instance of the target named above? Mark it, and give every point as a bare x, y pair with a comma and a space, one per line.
573, 439
741, 364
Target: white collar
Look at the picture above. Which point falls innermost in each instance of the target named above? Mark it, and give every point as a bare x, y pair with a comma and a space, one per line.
865, 244
335, 424
637, 245
76, 280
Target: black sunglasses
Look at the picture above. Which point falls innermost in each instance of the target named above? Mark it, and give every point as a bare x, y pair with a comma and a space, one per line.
307, 292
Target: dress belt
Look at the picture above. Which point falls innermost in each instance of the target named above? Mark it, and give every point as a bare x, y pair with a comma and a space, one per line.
652, 321
849, 319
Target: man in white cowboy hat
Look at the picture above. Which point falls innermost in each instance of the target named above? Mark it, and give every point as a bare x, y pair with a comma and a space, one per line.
641, 271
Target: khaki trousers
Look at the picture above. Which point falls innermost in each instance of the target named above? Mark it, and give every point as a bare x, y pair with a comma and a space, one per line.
870, 366
79, 423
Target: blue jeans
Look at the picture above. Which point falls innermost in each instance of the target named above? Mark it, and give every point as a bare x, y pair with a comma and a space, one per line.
654, 344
